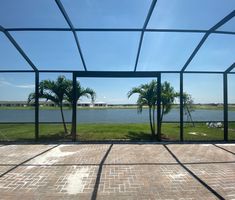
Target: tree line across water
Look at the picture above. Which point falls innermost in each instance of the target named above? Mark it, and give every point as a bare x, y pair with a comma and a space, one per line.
61, 90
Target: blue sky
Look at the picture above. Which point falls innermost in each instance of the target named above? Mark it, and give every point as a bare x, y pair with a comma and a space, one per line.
117, 51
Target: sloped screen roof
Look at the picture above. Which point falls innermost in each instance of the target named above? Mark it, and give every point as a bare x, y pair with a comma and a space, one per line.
117, 35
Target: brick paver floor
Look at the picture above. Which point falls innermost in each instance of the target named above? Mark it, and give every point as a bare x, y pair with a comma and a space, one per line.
117, 171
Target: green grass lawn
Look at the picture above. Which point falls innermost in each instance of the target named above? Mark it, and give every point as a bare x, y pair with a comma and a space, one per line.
133, 132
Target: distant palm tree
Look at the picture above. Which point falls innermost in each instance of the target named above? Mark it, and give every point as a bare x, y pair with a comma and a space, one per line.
147, 96
81, 92
187, 106
54, 91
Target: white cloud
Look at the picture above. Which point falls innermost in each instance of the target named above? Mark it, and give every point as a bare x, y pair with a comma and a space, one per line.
29, 86
25, 86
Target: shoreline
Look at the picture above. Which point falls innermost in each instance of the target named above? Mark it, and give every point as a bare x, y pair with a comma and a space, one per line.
231, 107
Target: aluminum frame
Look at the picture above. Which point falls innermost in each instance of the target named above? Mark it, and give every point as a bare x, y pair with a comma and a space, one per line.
126, 74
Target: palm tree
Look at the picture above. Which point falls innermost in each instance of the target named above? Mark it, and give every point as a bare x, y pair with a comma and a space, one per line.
54, 91
147, 96
188, 106
81, 92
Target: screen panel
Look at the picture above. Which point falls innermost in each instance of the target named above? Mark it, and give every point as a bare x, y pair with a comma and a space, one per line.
112, 116
16, 114
171, 116
30, 14
107, 13
193, 14
51, 126
166, 51
231, 107
50, 50
10, 58
109, 51
206, 121
216, 54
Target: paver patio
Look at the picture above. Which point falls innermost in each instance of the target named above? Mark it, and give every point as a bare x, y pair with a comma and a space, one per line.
117, 171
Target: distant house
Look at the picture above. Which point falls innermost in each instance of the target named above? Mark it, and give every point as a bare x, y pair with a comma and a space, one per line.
49, 104
95, 104
100, 104
13, 103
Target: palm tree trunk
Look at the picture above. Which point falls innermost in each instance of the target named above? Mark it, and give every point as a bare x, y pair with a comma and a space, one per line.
71, 131
153, 113
161, 118
62, 115
190, 116
162, 113
72, 128
150, 120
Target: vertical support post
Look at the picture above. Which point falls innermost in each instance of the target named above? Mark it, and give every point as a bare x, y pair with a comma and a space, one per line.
225, 79
181, 107
159, 107
36, 105
74, 115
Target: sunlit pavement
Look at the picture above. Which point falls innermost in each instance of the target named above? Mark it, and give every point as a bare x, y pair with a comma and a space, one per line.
117, 171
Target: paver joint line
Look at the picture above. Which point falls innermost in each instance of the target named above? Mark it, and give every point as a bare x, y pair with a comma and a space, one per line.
193, 175
120, 164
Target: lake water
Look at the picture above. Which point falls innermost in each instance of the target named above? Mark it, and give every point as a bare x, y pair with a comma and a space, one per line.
107, 116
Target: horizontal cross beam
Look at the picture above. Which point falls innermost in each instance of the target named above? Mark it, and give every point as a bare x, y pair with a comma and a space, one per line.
116, 74
120, 30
